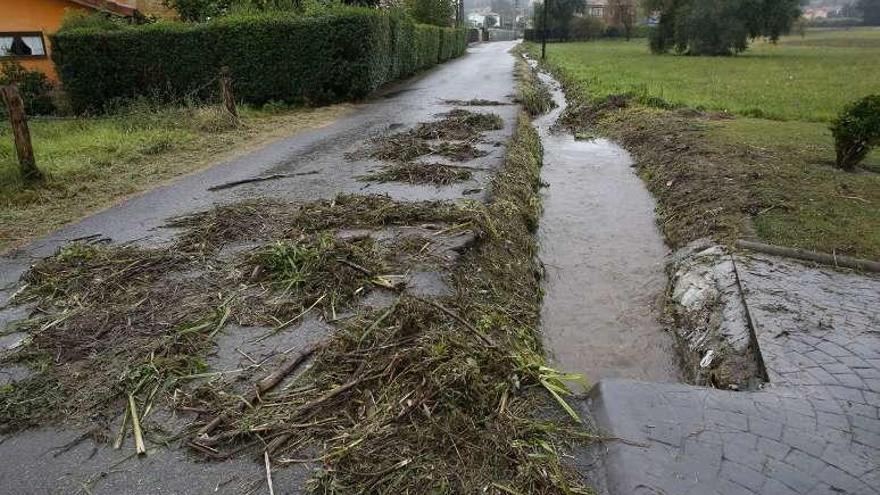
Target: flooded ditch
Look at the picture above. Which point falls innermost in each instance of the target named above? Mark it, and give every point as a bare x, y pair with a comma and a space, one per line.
604, 258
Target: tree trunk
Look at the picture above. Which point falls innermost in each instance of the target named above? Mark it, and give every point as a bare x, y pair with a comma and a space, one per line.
226, 92
20, 133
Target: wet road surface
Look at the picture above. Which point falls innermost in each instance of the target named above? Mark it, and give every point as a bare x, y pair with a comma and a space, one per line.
604, 258
36, 461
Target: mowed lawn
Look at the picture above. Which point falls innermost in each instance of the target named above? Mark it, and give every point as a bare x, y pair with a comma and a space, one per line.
781, 98
805, 78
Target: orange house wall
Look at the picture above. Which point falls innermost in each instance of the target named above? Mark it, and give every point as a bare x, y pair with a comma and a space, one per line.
36, 15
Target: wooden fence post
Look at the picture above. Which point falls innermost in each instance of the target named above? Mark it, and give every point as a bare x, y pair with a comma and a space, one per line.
226, 92
20, 133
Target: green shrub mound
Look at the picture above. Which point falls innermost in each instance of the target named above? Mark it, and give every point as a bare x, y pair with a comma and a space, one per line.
34, 87
337, 56
856, 130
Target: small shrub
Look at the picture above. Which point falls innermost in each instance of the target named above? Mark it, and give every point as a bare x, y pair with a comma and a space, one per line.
856, 130
586, 28
78, 19
34, 86
198, 10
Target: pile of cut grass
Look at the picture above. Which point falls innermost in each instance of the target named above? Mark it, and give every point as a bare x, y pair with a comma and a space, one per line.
115, 320
452, 137
267, 220
532, 93
420, 173
476, 102
459, 125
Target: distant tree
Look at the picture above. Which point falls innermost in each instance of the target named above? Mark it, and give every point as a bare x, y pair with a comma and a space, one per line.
490, 21
436, 12
198, 10
719, 27
870, 11
623, 14
586, 28
558, 16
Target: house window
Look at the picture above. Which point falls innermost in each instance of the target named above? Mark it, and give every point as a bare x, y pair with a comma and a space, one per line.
597, 11
22, 45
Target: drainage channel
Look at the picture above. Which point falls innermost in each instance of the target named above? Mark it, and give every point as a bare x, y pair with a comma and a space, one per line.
604, 258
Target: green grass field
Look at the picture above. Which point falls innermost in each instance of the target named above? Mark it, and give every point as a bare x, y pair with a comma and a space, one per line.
777, 144
801, 78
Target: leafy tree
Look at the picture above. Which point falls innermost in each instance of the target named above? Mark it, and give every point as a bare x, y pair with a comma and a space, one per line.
870, 10
198, 10
559, 17
719, 27
586, 28
490, 21
436, 12
623, 14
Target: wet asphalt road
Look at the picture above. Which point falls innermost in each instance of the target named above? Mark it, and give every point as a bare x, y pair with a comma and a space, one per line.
30, 462
486, 71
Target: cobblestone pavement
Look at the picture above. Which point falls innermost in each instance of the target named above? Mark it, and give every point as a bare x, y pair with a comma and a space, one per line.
814, 428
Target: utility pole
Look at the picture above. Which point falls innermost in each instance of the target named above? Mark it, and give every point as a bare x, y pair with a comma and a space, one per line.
544, 30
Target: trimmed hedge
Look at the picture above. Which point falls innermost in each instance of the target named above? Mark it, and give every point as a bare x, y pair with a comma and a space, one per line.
333, 57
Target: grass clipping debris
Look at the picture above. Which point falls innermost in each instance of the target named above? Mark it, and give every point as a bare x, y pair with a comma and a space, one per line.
421, 173
425, 396
532, 93
452, 137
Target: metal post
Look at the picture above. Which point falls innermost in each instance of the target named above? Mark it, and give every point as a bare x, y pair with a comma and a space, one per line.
544, 31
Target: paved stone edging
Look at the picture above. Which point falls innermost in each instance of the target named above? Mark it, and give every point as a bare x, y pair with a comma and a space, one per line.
813, 429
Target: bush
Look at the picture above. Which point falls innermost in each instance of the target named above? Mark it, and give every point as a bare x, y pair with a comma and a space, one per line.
434, 12
719, 27
586, 28
341, 55
35, 88
856, 130
79, 19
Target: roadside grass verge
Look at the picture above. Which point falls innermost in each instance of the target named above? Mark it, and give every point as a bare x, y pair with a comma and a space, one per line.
726, 175
91, 163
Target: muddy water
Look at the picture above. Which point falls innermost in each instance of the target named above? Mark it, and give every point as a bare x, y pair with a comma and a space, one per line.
604, 258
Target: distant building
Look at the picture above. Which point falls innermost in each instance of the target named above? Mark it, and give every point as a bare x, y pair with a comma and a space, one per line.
479, 19
811, 13
26, 24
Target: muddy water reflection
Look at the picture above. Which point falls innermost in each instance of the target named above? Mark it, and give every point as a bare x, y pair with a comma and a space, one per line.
604, 257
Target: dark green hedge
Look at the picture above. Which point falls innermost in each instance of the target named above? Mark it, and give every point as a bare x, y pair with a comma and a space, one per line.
309, 60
